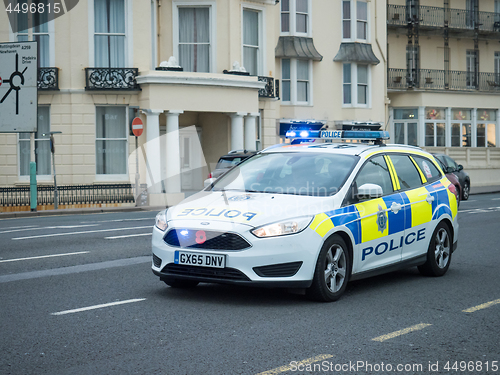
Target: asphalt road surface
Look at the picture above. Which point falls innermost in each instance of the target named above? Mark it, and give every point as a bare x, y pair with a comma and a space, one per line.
78, 297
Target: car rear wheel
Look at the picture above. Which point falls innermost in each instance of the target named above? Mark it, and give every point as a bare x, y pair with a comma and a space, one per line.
332, 272
465, 191
439, 252
176, 283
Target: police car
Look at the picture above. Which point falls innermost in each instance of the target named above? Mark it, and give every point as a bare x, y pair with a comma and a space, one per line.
313, 215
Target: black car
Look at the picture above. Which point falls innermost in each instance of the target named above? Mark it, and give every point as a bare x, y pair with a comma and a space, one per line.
458, 170
226, 162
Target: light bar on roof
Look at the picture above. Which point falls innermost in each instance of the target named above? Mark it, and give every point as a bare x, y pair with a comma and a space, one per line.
338, 134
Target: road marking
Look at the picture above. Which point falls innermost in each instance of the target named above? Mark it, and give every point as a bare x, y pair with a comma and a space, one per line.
95, 307
483, 306
467, 201
55, 227
481, 210
128, 235
43, 256
75, 269
118, 220
401, 332
289, 367
84, 232
22, 226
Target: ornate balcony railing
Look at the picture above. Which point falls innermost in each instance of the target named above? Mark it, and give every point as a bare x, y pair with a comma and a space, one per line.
48, 78
434, 79
459, 19
68, 195
111, 79
269, 91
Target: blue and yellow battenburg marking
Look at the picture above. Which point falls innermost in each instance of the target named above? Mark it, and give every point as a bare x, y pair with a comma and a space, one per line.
366, 220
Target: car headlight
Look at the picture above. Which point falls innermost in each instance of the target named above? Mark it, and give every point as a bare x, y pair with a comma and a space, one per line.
290, 226
161, 220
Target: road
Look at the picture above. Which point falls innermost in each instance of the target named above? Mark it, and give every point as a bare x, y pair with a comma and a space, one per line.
78, 297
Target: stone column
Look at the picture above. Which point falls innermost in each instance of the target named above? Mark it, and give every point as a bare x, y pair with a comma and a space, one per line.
251, 131
152, 146
421, 127
237, 131
173, 157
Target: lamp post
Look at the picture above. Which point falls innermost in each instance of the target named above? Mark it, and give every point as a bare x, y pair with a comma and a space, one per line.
53, 151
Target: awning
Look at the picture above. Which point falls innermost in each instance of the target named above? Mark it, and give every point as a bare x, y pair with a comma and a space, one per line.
297, 46
356, 52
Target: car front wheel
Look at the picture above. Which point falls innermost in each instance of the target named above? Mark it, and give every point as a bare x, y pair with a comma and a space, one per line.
439, 252
332, 272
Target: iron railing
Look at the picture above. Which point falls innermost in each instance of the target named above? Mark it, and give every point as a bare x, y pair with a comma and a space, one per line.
68, 195
434, 79
111, 79
460, 19
269, 91
48, 78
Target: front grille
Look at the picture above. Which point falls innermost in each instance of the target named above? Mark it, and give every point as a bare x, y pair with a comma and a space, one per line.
191, 238
205, 272
278, 270
156, 261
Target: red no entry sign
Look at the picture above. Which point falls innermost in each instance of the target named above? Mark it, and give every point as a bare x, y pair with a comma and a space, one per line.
137, 126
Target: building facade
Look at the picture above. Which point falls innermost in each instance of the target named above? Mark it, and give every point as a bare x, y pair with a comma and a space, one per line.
444, 80
209, 76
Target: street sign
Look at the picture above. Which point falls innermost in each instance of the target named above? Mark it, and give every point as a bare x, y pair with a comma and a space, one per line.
137, 126
18, 87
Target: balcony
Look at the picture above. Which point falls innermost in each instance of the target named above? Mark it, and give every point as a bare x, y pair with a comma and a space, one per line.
269, 91
433, 79
434, 17
122, 79
48, 78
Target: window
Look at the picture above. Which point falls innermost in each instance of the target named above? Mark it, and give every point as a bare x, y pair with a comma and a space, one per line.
356, 79
194, 38
461, 128
497, 67
295, 80
428, 168
486, 126
109, 34
471, 63
42, 146
405, 126
375, 171
356, 29
41, 34
111, 141
408, 175
251, 42
295, 17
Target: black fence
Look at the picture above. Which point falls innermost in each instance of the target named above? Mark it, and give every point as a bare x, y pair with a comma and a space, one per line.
459, 19
111, 79
68, 195
269, 91
48, 78
434, 79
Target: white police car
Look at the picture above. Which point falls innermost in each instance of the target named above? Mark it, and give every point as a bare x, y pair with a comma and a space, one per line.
312, 216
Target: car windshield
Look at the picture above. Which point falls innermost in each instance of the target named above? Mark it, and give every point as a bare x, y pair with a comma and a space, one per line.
314, 174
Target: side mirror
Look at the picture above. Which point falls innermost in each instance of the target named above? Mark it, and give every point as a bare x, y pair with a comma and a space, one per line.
369, 191
450, 169
460, 167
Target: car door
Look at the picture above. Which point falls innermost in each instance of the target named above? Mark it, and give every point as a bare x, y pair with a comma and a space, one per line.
381, 219
420, 202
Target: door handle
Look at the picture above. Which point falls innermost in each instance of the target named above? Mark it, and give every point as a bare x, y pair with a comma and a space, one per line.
430, 199
395, 207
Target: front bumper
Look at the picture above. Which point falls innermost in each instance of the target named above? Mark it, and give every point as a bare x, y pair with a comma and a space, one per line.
283, 261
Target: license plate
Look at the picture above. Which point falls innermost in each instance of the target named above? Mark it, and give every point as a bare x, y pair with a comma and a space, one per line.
200, 259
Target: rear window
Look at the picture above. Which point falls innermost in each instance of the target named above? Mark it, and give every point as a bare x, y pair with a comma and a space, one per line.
428, 168
229, 162
408, 175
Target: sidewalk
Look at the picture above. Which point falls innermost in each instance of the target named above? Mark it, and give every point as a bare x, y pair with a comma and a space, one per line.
100, 210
